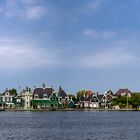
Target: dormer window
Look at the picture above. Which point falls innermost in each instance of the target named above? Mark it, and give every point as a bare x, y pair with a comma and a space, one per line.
45, 96
36, 96
7, 94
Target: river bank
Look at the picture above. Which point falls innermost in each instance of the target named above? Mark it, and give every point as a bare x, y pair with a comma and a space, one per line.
67, 109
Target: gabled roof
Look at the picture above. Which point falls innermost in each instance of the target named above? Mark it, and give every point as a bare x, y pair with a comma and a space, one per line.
94, 99
62, 93
42, 91
100, 96
91, 98
109, 97
9, 93
125, 91
89, 92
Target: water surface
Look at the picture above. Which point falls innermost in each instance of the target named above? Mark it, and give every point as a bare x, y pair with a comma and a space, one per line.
70, 125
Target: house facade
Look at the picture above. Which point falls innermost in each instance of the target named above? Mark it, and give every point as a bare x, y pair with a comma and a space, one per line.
90, 101
123, 92
106, 101
7, 99
45, 98
27, 97
62, 98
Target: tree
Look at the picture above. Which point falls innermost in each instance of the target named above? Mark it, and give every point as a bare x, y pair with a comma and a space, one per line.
135, 101
121, 101
82, 94
13, 91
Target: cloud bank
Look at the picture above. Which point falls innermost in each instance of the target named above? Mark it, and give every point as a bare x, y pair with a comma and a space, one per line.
109, 58
23, 9
22, 56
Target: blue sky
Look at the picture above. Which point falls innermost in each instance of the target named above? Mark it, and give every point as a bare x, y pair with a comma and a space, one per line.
78, 44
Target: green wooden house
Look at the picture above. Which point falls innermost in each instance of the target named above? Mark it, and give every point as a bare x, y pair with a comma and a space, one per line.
44, 98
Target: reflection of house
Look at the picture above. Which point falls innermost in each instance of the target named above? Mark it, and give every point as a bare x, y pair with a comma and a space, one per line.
8, 99
26, 99
44, 98
123, 92
62, 97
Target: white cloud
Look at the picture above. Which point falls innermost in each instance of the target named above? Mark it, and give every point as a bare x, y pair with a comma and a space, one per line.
35, 12
109, 58
95, 4
99, 34
21, 56
23, 9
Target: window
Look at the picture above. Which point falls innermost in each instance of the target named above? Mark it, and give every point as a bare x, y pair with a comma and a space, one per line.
10, 99
18, 100
7, 93
36, 96
45, 96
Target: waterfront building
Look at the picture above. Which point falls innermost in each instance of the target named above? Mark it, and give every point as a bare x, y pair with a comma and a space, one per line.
62, 98
106, 101
18, 101
7, 99
123, 92
90, 101
26, 98
45, 98
71, 104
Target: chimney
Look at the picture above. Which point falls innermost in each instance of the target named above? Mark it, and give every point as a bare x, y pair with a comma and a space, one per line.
43, 85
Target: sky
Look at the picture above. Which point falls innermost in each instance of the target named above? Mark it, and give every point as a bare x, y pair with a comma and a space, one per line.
78, 44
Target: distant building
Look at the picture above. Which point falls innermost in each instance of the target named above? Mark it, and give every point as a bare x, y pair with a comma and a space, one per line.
26, 96
90, 101
45, 98
62, 97
106, 101
7, 99
18, 101
123, 92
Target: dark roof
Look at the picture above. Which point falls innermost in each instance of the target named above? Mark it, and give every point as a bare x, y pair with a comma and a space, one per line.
120, 91
91, 98
89, 92
18, 96
88, 98
42, 91
100, 96
62, 93
109, 97
10, 93
94, 99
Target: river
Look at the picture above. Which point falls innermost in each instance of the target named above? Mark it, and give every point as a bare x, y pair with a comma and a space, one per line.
78, 125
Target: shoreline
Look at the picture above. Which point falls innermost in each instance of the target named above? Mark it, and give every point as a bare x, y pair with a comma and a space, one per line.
65, 110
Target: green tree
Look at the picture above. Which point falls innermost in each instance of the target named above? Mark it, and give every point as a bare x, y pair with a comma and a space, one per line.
121, 101
135, 101
13, 91
81, 94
